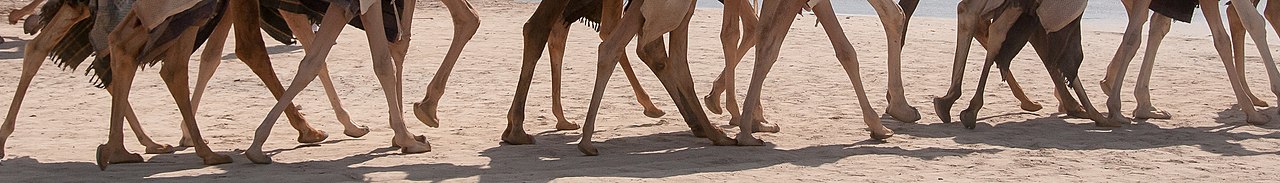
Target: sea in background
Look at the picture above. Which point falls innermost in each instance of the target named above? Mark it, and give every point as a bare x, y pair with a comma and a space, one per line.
1101, 15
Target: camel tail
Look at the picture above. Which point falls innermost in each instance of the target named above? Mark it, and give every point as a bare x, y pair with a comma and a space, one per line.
273, 23
588, 12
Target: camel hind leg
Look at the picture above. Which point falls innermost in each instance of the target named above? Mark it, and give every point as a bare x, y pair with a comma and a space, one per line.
1237, 48
1222, 44
174, 73
34, 56
302, 31
849, 61
1255, 25
610, 17
556, 45
465, 22
1142, 91
536, 32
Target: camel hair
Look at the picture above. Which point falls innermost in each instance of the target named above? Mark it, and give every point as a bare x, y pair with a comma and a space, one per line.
388, 60
1244, 18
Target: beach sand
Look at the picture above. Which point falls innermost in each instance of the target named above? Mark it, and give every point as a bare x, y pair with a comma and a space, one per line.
823, 139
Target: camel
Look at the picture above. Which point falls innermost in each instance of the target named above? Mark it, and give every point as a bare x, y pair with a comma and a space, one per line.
898, 107
1050, 26
549, 27
777, 17
734, 50
649, 20
1251, 21
69, 13
387, 61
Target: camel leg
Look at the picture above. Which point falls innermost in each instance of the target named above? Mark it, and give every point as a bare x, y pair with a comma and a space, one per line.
678, 80
1137, 10
891, 16
332, 25
253, 52
1255, 25
34, 56
1222, 43
174, 73
556, 45
849, 61
1000, 30
385, 68
1142, 91
465, 23
1237, 48
627, 28
725, 82
776, 21
125, 37
152, 146
969, 21
1026, 103
210, 59
611, 14
537, 31
302, 31
729, 36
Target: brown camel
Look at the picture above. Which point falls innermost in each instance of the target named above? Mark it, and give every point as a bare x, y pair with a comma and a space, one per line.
549, 27
1050, 26
1251, 21
59, 29
777, 17
734, 50
649, 20
387, 60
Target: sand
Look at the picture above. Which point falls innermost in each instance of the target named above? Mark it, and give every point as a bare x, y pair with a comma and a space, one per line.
64, 117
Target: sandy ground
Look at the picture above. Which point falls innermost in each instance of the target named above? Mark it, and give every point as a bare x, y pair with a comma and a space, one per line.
64, 117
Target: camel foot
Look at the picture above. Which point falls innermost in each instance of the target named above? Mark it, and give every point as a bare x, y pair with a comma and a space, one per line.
426, 114
313, 136
766, 127
256, 156
160, 149
881, 134
1257, 119
748, 140
1031, 106
969, 118
1074, 112
115, 155
417, 144
1150, 113
722, 140
1114, 121
216, 159
903, 112
654, 113
588, 149
356, 132
713, 103
518, 138
565, 125
942, 107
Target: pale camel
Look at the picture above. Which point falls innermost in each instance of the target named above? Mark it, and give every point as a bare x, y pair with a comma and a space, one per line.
736, 46
777, 17
651, 19
549, 27
387, 62
1251, 21
1051, 26
898, 107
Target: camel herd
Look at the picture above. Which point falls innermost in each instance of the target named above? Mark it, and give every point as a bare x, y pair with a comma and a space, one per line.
118, 37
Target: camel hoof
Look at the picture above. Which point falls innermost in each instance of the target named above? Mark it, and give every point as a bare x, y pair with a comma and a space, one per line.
942, 107
312, 137
1114, 121
107, 156
766, 127
1151, 113
882, 135
256, 156
160, 149
723, 141
427, 117
419, 138
417, 144
588, 149
1257, 119
520, 138
969, 119
1075, 113
748, 140
654, 113
356, 132
1032, 106
565, 125
904, 113
186, 142
713, 103
216, 159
